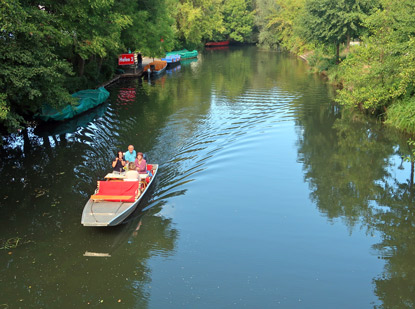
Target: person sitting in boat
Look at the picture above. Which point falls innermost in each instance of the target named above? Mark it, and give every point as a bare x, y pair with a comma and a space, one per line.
132, 173
140, 163
130, 154
118, 163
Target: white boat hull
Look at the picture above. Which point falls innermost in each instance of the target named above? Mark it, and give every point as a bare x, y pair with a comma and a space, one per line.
104, 213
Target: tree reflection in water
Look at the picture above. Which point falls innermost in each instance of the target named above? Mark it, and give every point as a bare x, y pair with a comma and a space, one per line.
350, 166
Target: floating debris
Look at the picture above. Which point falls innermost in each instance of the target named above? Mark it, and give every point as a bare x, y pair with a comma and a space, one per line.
97, 254
40, 192
12, 243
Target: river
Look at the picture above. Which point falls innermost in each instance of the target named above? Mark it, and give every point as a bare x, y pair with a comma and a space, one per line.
268, 196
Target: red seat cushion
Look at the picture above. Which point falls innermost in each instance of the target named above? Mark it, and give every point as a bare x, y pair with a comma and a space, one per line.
127, 188
149, 167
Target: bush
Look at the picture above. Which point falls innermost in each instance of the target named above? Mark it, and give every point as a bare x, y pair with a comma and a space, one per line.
402, 115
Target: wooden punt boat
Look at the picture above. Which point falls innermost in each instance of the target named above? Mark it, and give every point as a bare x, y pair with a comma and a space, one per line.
212, 44
155, 68
184, 53
114, 200
172, 60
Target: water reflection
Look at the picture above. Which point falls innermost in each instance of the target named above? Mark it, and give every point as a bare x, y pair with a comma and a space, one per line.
187, 62
174, 69
354, 169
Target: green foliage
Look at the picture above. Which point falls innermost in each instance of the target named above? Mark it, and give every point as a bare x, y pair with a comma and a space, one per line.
277, 21
381, 71
30, 71
155, 21
334, 21
286, 21
265, 9
320, 62
402, 115
199, 20
238, 19
11, 121
411, 156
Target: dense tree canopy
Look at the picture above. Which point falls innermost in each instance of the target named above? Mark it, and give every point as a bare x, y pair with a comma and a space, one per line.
199, 20
52, 48
334, 21
31, 72
238, 19
380, 73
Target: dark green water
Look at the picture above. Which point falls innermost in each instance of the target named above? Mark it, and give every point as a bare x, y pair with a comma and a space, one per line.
267, 197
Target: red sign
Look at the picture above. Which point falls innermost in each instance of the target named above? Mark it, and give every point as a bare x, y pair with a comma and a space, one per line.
126, 59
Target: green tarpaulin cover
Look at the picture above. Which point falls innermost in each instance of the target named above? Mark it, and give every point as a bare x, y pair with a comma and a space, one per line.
87, 99
184, 53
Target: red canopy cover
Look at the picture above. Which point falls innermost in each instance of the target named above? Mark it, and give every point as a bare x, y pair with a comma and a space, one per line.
127, 188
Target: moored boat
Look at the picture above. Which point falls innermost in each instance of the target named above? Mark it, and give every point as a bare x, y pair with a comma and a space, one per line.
115, 199
51, 128
184, 53
172, 60
213, 48
87, 99
221, 43
155, 68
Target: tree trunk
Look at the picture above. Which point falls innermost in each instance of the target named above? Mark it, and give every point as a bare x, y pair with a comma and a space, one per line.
337, 53
99, 66
27, 145
48, 147
81, 66
63, 140
348, 43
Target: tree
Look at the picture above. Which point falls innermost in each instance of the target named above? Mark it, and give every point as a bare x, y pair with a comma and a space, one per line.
380, 75
285, 20
238, 18
264, 10
31, 73
152, 29
334, 21
199, 20
92, 32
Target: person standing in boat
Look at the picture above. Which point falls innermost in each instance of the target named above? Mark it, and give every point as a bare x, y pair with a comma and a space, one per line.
140, 163
118, 163
130, 154
132, 173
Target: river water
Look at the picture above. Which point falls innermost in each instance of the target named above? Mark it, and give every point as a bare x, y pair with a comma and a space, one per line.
268, 196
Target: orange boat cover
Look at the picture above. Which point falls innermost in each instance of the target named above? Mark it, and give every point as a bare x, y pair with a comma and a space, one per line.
157, 64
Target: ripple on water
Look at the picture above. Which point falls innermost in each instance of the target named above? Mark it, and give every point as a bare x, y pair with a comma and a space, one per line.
210, 142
